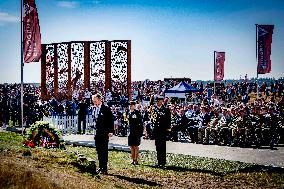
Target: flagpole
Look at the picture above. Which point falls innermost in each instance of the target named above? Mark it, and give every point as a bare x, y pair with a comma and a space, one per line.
214, 73
256, 49
22, 71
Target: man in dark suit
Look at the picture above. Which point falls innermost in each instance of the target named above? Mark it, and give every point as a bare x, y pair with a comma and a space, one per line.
104, 130
162, 123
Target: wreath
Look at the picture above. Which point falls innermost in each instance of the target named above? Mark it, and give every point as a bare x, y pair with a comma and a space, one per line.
42, 134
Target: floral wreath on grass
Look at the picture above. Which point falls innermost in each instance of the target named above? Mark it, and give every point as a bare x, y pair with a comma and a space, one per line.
42, 134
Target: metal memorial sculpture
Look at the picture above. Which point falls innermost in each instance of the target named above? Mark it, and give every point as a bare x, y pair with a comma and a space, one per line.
75, 66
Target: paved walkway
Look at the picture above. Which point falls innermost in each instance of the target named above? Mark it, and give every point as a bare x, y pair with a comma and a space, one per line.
248, 155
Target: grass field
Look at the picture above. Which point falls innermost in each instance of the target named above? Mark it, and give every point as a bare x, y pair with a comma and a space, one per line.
22, 167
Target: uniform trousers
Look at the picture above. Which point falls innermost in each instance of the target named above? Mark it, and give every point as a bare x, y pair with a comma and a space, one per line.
161, 150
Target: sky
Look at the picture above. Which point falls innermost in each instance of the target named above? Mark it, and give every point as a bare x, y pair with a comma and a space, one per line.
170, 38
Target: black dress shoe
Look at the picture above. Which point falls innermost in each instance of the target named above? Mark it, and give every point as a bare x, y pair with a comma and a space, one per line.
157, 166
102, 171
160, 166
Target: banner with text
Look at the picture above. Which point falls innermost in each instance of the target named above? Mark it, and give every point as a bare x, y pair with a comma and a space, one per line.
264, 48
32, 37
219, 66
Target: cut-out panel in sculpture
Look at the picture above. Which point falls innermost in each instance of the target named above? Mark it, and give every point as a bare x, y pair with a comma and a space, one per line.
49, 68
119, 61
77, 66
97, 62
62, 53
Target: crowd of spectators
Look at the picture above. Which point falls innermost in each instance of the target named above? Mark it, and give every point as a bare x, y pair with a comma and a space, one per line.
229, 114
10, 104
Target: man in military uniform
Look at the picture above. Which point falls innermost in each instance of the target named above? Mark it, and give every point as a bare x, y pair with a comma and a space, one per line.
174, 125
274, 127
161, 122
256, 127
223, 130
242, 128
205, 119
232, 126
210, 135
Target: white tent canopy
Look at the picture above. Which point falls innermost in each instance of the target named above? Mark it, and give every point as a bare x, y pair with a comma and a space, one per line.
180, 90
177, 95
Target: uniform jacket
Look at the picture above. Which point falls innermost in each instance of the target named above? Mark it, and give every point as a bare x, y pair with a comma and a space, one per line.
162, 121
135, 123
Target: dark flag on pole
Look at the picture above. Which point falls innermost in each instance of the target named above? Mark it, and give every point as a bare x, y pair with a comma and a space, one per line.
32, 38
264, 48
219, 66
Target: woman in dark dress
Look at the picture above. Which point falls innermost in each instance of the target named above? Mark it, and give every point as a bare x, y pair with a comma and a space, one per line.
136, 132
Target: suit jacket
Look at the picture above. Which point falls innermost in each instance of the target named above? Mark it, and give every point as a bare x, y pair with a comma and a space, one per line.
104, 122
83, 109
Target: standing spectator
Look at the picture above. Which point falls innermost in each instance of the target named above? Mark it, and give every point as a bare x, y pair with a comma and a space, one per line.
87, 96
82, 113
5, 109
108, 96
245, 98
229, 92
53, 106
146, 121
201, 87
75, 95
280, 89
115, 118
209, 92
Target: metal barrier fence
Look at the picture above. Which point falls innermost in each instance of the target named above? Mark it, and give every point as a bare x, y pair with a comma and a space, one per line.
69, 124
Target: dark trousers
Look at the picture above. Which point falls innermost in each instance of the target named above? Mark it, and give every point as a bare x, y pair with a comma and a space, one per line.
161, 150
102, 151
274, 136
88, 101
80, 119
174, 134
5, 117
193, 133
14, 116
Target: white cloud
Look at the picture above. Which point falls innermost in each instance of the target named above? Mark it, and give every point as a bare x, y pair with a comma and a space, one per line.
8, 18
68, 4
